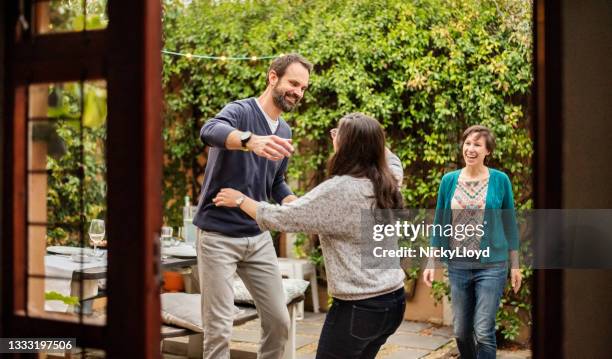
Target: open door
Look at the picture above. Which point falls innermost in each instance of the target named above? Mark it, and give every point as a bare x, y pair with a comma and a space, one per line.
92, 76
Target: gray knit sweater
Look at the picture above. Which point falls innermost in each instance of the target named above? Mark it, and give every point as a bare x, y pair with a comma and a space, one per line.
333, 211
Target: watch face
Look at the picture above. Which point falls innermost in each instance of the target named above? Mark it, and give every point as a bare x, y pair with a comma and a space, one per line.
245, 135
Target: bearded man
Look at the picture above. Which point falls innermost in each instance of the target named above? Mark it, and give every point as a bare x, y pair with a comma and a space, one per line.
249, 149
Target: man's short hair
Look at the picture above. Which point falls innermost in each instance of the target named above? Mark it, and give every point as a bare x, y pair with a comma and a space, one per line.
280, 64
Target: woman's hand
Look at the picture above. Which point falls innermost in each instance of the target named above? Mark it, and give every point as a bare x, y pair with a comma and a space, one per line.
227, 197
516, 278
428, 276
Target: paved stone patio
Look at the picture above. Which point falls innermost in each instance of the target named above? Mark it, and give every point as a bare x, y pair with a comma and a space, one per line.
412, 340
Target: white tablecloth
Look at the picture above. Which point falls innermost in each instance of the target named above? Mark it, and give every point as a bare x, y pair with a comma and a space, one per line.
61, 268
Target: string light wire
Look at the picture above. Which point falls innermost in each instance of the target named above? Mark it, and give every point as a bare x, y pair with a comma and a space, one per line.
222, 58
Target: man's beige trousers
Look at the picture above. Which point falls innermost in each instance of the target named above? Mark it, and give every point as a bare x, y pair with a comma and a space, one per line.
254, 260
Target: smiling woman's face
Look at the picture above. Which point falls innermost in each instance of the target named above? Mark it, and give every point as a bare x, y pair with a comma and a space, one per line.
475, 149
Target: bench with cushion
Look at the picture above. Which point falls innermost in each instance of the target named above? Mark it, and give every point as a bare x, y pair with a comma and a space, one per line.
181, 314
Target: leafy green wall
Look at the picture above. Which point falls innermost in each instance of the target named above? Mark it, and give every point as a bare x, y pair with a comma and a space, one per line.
426, 69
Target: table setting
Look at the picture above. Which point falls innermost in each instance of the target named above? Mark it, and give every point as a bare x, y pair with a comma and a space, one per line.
66, 265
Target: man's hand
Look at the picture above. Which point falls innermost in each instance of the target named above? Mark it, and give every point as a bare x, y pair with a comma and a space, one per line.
271, 147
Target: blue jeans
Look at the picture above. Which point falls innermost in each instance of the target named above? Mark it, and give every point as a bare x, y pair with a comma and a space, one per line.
475, 297
357, 329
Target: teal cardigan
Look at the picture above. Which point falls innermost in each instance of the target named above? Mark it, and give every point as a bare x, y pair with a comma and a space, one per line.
500, 228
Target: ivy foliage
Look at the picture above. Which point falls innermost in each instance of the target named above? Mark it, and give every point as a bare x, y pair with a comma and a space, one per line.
77, 170
75, 135
425, 69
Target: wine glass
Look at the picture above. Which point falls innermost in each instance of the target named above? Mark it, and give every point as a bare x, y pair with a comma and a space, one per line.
166, 236
96, 234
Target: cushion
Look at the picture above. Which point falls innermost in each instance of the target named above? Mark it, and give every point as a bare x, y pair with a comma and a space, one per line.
293, 289
183, 310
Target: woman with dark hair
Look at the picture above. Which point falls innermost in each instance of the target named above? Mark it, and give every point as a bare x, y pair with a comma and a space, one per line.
477, 195
368, 304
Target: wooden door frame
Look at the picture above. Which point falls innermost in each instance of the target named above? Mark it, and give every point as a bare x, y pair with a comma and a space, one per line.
127, 317
547, 310
128, 56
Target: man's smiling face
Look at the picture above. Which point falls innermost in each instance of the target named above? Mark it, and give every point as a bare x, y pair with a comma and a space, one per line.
289, 89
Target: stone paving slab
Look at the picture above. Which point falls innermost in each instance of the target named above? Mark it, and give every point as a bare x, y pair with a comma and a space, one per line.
307, 351
449, 351
313, 317
392, 351
251, 336
388, 351
251, 325
254, 336
412, 327
444, 331
309, 329
518, 354
417, 341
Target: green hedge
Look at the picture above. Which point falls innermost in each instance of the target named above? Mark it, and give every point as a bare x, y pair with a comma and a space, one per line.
425, 69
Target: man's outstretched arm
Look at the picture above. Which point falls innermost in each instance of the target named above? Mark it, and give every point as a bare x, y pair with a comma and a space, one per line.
222, 131
271, 147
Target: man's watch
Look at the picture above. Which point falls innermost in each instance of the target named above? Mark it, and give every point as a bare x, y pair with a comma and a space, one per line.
244, 138
239, 200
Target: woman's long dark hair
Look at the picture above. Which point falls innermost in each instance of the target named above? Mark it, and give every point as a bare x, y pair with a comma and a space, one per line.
361, 153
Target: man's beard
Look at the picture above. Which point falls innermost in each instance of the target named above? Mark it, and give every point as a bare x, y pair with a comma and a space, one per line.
280, 101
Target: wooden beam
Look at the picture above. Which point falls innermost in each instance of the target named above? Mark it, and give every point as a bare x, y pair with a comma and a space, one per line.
134, 176
61, 57
19, 250
547, 338
7, 296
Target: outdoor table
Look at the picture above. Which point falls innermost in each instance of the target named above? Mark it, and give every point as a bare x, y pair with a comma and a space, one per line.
86, 276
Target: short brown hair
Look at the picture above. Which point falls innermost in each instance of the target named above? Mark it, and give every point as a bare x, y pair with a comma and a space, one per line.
280, 64
481, 131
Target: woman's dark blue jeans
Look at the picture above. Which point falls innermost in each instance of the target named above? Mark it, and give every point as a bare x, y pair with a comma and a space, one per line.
357, 329
475, 296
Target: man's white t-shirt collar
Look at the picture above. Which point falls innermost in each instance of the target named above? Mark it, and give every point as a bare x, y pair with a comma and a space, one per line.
273, 124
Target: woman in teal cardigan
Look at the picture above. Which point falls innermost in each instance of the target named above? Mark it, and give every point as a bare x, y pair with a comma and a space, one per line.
482, 198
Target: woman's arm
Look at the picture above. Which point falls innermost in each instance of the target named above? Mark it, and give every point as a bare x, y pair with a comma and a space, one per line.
509, 222
229, 197
315, 212
436, 238
512, 235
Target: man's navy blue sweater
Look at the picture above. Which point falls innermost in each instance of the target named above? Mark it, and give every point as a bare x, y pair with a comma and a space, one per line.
256, 177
